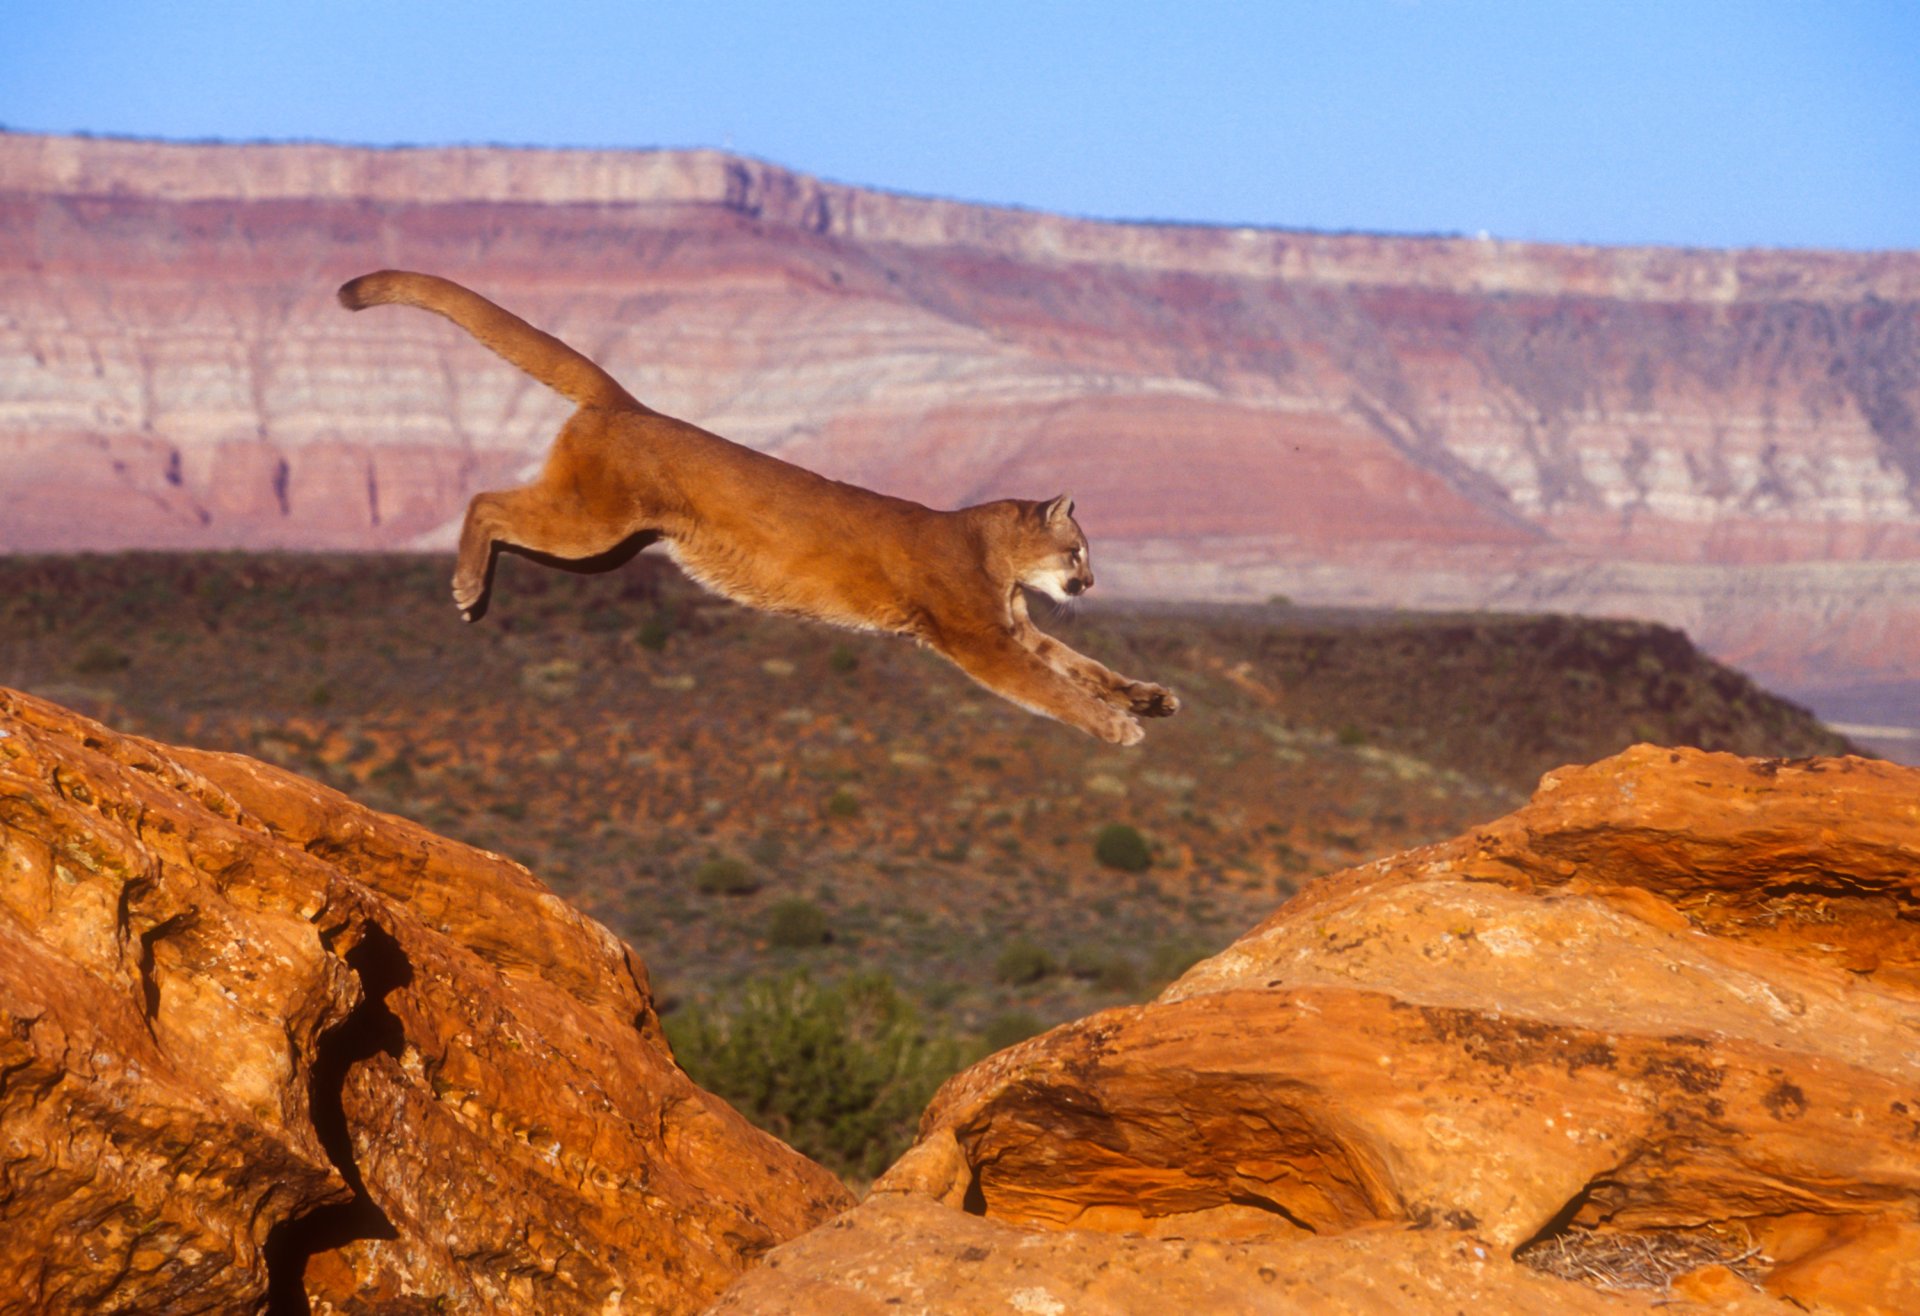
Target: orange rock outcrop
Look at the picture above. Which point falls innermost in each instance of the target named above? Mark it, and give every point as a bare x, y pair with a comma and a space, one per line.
1667, 1011
264, 1049
1649, 1040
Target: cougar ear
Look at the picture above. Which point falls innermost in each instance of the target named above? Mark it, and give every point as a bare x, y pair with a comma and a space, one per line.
1058, 511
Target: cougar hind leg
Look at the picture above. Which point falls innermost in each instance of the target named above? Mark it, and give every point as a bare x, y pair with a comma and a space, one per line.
531, 522
479, 544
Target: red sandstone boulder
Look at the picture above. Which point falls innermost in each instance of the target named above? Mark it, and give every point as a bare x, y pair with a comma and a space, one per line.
1661, 1028
1654, 1038
259, 1043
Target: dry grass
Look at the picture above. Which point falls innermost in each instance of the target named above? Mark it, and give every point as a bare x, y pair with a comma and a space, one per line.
1645, 1261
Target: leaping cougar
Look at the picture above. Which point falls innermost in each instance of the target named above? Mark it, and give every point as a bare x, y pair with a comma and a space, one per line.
771, 535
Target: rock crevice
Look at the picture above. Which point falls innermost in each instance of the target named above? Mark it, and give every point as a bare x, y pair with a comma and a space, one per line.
266, 1049
371, 1028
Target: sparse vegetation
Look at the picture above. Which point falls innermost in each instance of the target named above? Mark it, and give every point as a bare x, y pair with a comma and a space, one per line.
724, 875
100, 659
767, 850
1012, 1028
654, 633
839, 1072
796, 924
926, 827
1170, 959
1108, 971
1022, 963
1119, 846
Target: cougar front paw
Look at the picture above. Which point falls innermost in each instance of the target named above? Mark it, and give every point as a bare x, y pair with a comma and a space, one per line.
1122, 730
1149, 700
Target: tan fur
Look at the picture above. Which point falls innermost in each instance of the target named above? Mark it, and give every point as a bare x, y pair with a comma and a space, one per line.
773, 536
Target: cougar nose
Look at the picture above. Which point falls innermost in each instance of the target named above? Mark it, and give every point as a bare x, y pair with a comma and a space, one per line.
1075, 585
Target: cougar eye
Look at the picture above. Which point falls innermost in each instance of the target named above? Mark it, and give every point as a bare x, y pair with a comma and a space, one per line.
1073, 557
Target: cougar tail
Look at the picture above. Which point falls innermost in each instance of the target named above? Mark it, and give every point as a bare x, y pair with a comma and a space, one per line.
541, 355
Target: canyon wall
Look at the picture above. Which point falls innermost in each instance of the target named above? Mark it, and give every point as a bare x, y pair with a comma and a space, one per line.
1728, 441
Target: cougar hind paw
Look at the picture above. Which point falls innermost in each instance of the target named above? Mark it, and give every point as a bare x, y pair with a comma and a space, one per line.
471, 600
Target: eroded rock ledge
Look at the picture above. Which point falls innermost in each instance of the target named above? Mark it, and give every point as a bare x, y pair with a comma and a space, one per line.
264, 1049
1669, 1010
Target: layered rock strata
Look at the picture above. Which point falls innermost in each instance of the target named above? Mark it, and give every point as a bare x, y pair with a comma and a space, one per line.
1657, 1027
1724, 441
264, 1049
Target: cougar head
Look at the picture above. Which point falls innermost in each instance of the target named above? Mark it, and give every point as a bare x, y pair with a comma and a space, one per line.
1056, 561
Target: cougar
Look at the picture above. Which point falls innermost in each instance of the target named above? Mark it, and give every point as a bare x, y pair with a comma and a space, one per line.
773, 536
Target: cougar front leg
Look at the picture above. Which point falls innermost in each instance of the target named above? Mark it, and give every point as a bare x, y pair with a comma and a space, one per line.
1141, 697
1016, 673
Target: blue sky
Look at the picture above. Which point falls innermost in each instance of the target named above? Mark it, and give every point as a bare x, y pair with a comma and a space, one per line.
1692, 122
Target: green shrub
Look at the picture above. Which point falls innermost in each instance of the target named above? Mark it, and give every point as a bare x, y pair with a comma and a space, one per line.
1022, 963
102, 660
1170, 959
798, 923
843, 803
842, 659
1107, 970
654, 633
1122, 847
1005, 1030
841, 1073
768, 850
726, 876
395, 774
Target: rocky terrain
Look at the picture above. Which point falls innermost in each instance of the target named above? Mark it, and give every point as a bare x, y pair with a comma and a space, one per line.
685, 770
265, 1049
1651, 1033
1646, 1041
1721, 441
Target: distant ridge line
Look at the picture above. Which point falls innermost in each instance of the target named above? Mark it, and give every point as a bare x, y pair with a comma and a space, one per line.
1864, 731
43, 164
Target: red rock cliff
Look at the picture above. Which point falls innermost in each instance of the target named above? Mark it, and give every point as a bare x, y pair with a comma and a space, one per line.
1721, 440
261, 1048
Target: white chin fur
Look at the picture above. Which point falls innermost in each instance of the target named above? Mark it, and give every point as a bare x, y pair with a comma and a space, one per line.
1053, 584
